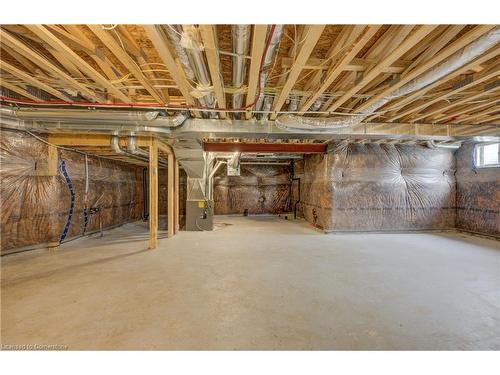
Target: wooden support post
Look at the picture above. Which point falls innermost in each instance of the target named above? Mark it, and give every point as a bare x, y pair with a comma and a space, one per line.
52, 160
153, 193
170, 194
177, 190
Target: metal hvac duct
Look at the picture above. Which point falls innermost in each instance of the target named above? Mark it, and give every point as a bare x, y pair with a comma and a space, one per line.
452, 63
187, 44
175, 32
95, 116
115, 146
268, 58
133, 151
241, 41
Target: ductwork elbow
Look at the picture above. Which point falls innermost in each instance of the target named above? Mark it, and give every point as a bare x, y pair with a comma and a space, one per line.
234, 162
115, 145
177, 120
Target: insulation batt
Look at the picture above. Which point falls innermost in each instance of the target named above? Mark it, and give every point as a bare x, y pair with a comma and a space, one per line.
379, 187
34, 206
478, 195
262, 189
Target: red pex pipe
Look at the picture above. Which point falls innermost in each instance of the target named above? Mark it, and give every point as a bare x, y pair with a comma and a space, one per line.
144, 105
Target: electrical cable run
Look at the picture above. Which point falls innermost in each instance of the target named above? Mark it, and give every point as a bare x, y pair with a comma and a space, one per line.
64, 172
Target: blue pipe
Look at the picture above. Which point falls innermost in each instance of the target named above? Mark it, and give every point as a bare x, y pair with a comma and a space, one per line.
62, 168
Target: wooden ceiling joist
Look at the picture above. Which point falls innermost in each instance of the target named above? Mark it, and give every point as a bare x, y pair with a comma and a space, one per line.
491, 119
456, 91
397, 105
32, 81
467, 109
126, 60
95, 53
346, 37
57, 44
312, 32
258, 45
320, 69
46, 65
208, 36
445, 108
439, 57
19, 90
437, 44
161, 45
477, 115
26, 63
367, 33
129, 41
400, 50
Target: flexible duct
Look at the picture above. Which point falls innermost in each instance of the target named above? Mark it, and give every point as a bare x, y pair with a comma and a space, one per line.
241, 41
293, 106
452, 63
268, 58
175, 32
189, 49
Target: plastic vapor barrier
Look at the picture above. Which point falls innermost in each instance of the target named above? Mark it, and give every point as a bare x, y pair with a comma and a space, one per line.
478, 195
260, 189
37, 207
379, 187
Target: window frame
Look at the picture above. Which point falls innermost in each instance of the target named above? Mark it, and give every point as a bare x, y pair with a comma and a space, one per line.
474, 156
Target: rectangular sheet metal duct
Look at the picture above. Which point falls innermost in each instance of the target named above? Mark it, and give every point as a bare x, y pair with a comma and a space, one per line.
302, 148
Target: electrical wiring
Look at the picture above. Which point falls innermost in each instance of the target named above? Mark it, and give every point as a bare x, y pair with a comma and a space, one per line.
120, 39
173, 29
143, 105
144, 64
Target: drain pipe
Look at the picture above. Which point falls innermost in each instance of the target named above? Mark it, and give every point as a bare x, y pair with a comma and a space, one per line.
452, 63
241, 41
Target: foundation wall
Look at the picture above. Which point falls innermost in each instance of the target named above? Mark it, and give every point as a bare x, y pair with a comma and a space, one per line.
478, 195
35, 206
260, 189
379, 187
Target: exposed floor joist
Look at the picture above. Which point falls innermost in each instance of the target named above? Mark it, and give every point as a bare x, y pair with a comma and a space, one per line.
316, 68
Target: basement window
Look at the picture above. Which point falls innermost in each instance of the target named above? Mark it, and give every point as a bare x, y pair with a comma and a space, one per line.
487, 155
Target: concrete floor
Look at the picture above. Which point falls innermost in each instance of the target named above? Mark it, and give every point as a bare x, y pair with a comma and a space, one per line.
258, 283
